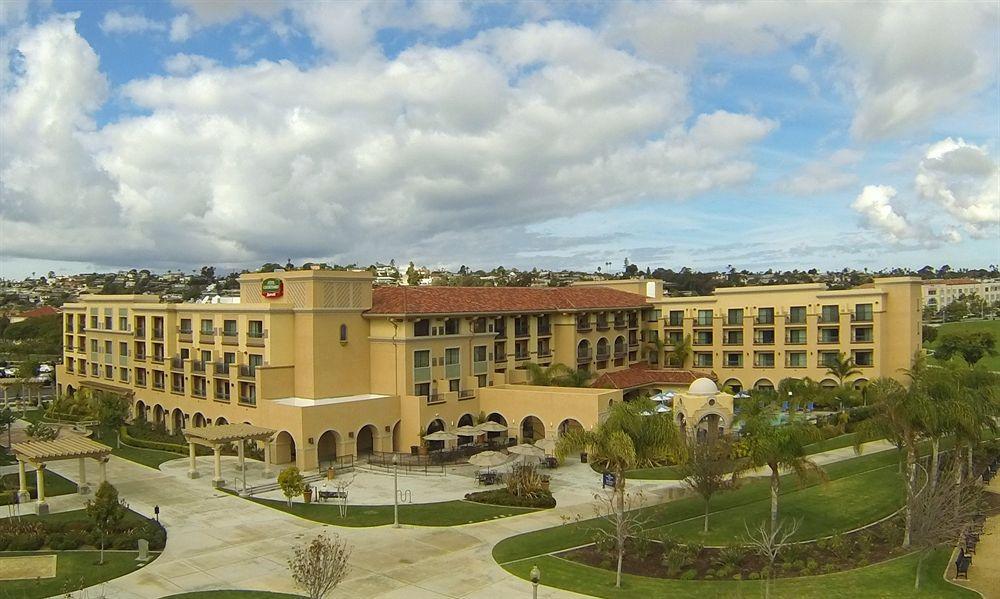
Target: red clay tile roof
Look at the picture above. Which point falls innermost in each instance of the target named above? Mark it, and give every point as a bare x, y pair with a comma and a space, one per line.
640, 375
42, 311
490, 300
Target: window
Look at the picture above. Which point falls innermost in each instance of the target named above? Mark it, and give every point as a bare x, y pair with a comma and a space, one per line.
521, 326
703, 338
123, 320
796, 336
830, 314
422, 358
221, 390
255, 361
422, 328
343, 333
140, 325
255, 329
763, 337
107, 322
797, 315
140, 377
450, 326
107, 348
863, 312
109, 372
704, 318
177, 382
206, 356
453, 385
452, 356
543, 348
229, 328
735, 317
185, 325
765, 316
481, 381
827, 358
703, 359
123, 348
676, 318
95, 369
521, 349
863, 335
734, 359
796, 359
248, 394
763, 359
229, 357
500, 326
479, 353
499, 351
423, 389
479, 325
583, 322
673, 337
93, 345
829, 335
93, 321
733, 338
864, 357
543, 324
207, 326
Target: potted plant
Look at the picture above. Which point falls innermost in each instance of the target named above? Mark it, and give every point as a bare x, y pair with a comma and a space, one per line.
307, 494
330, 473
545, 482
423, 444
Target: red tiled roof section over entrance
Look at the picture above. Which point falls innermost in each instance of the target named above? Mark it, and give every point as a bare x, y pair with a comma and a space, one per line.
37, 312
640, 376
489, 300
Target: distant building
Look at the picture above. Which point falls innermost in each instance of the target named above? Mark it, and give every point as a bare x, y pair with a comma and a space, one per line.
36, 313
941, 292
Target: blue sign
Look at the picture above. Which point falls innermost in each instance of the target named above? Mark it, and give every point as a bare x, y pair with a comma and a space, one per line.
609, 480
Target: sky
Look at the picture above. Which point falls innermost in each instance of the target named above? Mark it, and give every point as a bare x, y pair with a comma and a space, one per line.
525, 134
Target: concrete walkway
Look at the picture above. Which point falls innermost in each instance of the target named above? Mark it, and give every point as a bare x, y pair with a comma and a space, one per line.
984, 573
217, 541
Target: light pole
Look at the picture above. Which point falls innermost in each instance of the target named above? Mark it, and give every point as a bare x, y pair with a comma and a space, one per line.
536, 576
395, 490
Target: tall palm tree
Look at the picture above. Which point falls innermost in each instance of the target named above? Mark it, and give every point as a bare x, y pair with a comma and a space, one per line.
981, 399
843, 368
557, 375
681, 350
901, 415
633, 436
767, 442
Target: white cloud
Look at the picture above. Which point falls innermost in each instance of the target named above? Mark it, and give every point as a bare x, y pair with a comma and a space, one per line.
902, 65
874, 204
181, 28
825, 175
116, 22
801, 74
13, 12
468, 145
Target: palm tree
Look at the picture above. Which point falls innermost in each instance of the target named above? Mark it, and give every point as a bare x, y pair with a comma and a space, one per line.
842, 368
633, 436
557, 375
981, 399
901, 415
767, 442
681, 350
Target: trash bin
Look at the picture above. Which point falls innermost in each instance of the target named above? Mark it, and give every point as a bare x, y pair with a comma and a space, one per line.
583, 457
414, 450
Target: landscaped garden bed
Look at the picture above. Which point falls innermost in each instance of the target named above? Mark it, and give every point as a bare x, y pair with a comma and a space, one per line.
539, 499
74, 530
668, 558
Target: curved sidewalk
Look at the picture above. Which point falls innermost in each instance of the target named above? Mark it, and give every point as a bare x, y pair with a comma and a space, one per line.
984, 573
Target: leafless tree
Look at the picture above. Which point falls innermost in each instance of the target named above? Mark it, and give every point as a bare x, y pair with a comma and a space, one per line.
620, 509
709, 469
320, 565
941, 513
767, 542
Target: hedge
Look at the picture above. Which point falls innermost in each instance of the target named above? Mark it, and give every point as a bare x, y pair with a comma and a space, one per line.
543, 499
130, 440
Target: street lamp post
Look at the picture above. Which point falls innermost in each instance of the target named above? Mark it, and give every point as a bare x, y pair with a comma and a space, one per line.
395, 490
536, 576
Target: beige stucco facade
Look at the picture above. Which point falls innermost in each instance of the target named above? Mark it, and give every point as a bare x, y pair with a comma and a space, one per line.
336, 376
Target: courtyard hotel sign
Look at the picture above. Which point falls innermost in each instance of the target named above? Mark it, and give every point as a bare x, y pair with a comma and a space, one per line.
272, 287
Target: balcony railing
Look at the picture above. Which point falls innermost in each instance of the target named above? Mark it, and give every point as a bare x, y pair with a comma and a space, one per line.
158, 385
633, 343
220, 368
433, 398
603, 355
177, 363
763, 320
620, 353
602, 325
620, 324
197, 366
522, 333
703, 322
583, 356
521, 356
829, 318
256, 338
583, 327
861, 317
157, 358
501, 334
466, 393
247, 371
544, 353
222, 394
500, 357
198, 392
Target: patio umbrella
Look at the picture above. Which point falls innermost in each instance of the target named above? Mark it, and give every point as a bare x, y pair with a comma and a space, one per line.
467, 431
660, 409
546, 445
492, 427
440, 436
489, 459
527, 451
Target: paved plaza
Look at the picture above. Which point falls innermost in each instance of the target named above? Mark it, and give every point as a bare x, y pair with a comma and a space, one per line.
219, 541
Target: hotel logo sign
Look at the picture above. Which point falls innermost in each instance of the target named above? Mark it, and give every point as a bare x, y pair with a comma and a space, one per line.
272, 287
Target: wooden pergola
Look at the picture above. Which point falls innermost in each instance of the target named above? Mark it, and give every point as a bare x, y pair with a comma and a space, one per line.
217, 436
64, 448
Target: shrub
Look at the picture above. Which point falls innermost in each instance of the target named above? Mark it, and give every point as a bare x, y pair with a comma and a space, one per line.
731, 556
676, 559
737, 576
4, 541
668, 543
540, 499
26, 543
753, 576
641, 544
689, 575
828, 569
605, 544
811, 564
63, 542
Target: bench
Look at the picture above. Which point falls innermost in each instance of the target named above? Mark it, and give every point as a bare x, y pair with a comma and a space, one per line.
962, 567
324, 495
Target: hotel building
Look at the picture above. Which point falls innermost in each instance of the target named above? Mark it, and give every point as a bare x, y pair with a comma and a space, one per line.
341, 368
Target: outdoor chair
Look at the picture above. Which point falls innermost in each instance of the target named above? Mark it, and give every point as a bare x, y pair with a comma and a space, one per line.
551, 462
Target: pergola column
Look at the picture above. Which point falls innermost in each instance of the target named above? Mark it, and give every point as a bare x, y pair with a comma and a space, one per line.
267, 459
82, 487
22, 483
42, 507
217, 481
104, 469
241, 465
193, 465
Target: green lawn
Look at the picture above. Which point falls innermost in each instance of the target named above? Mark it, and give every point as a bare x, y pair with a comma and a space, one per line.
147, 457
446, 513
74, 570
233, 595
55, 485
971, 326
877, 471
673, 472
891, 579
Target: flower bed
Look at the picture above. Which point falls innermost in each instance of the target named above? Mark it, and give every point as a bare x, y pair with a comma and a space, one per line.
73, 530
539, 499
667, 558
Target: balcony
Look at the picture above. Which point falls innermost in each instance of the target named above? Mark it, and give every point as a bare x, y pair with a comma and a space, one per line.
522, 333
763, 320
583, 327
602, 325
827, 318
863, 339
220, 368
544, 353
434, 398
620, 323
177, 363
703, 322
248, 371
466, 394
421, 373
230, 338
185, 335
256, 338
197, 366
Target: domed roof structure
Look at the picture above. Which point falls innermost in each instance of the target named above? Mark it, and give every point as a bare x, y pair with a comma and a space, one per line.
703, 386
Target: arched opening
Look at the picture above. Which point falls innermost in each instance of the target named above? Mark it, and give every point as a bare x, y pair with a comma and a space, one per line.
436, 425
70, 390
284, 448
326, 448
177, 421
492, 437
619, 346
860, 384
583, 354
568, 425
198, 420
466, 420
139, 414
220, 421
828, 384
682, 424
397, 445
159, 417
764, 385
532, 429
732, 385
710, 427
366, 440
602, 350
